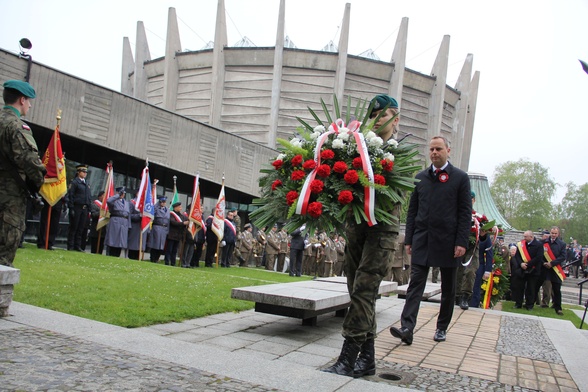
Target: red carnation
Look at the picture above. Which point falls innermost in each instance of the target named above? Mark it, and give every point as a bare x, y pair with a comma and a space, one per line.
291, 197
297, 175
323, 170
297, 160
309, 164
340, 167
278, 164
357, 163
379, 179
276, 184
316, 186
351, 177
315, 209
387, 165
345, 197
327, 154
498, 272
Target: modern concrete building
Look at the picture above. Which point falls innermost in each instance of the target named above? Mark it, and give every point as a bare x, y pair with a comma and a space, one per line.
257, 92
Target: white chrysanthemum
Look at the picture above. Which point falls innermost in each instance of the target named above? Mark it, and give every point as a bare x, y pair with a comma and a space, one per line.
389, 156
315, 135
375, 142
296, 142
338, 144
370, 135
281, 157
319, 129
393, 142
343, 136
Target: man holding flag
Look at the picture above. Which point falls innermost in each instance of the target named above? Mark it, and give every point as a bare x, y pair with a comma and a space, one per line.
217, 224
554, 253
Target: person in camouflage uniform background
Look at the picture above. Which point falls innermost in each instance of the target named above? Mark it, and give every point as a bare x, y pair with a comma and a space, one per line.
18, 151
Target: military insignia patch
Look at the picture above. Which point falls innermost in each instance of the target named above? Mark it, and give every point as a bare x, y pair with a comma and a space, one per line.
443, 177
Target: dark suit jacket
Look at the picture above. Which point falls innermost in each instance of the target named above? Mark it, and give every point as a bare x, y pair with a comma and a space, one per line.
535, 249
559, 251
439, 217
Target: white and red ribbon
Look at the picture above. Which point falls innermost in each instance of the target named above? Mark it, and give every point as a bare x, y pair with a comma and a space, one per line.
369, 191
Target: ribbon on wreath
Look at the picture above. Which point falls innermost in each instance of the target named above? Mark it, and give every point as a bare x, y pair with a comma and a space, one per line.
369, 191
486, 302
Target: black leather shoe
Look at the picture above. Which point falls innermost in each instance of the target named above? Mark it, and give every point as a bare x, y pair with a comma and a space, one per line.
440, 335
518, 306
402, 333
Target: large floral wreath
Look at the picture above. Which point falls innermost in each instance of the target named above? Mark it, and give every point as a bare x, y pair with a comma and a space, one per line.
335, 171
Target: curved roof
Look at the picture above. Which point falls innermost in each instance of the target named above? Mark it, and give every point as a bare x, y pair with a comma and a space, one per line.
484, 203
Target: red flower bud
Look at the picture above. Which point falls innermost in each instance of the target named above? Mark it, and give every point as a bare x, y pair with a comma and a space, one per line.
315, 209
276, 184
278, 164
379, 179
309, 164
296, 160
351, 177
291, 197
345, 197
323, 170
327, 154
340, 167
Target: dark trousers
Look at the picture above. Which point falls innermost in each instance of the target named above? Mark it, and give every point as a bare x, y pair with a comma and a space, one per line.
210, 252
517, 287
171, 251
556, 292
78, 225
227, 254
115, 252
154, 255
296, 262
94, 246
530, 289
414, 294
195, 261
53, 225
133, 254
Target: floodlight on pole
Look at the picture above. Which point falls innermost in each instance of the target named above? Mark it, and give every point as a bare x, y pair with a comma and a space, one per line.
25, 45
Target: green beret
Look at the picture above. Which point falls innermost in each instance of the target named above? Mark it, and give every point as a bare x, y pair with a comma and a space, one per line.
473, 194
23, 87
380, 101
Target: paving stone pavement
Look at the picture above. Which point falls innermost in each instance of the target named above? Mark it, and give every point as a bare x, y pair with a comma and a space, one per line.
248, 351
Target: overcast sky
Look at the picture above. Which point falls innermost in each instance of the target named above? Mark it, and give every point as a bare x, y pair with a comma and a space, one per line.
533, 96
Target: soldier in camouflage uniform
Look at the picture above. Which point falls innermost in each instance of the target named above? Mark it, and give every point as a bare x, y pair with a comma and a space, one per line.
18, 152
367, 259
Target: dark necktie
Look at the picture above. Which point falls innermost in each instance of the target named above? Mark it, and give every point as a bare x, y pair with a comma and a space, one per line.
437, 171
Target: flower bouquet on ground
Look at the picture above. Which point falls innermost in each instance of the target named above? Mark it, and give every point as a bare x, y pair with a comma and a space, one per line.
336, 171
494, 289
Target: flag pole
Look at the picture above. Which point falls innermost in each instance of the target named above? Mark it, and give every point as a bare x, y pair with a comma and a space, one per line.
141, 253
58, 118
217, 241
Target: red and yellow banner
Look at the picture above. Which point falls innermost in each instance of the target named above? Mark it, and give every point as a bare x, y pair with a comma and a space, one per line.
487, 300
55, 184
549, 256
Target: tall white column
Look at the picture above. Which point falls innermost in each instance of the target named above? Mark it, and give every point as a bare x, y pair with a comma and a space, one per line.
128, 67
470, 117
218, 65
277, 77
171, 75
399, 61
459, 117
141, 56
437, 99
341, 72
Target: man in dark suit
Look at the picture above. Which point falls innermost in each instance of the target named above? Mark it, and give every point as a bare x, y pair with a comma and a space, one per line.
437, 231
554, 254
79, 199
526, 269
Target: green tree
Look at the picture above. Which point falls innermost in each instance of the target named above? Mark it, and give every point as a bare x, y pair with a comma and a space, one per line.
523, 191
573, 213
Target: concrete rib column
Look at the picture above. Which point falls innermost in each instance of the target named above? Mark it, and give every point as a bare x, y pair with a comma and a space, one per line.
341, 71
141, 56
218, 65
399, 61
459, 117
128, 67
470, 118
437, 101
277, 77
171, 73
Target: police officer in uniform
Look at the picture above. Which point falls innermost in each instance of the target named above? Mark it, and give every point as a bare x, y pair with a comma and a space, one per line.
79, 199
117, 235
159, 230
19, 155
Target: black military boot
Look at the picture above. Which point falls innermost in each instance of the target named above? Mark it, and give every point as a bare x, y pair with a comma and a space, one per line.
346, 362
366, 362
464, 303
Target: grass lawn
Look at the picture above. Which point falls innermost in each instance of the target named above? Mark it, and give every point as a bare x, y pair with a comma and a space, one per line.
130, 293
508, 306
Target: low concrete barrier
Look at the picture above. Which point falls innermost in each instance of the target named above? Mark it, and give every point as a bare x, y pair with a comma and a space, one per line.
305, 300
8, 278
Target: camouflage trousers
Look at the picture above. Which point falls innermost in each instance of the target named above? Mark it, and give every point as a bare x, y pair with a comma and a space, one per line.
466, 276
368, 253
12, 223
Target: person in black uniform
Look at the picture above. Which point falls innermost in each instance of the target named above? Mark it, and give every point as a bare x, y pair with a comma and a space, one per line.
53, 224
79, 198
94, 218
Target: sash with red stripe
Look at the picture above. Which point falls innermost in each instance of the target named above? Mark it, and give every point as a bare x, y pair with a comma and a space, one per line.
549, 256
231, 226
98, 203
176, 216
522, 245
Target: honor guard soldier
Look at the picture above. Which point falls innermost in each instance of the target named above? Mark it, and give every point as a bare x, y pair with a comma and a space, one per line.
79, 199
21, 169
